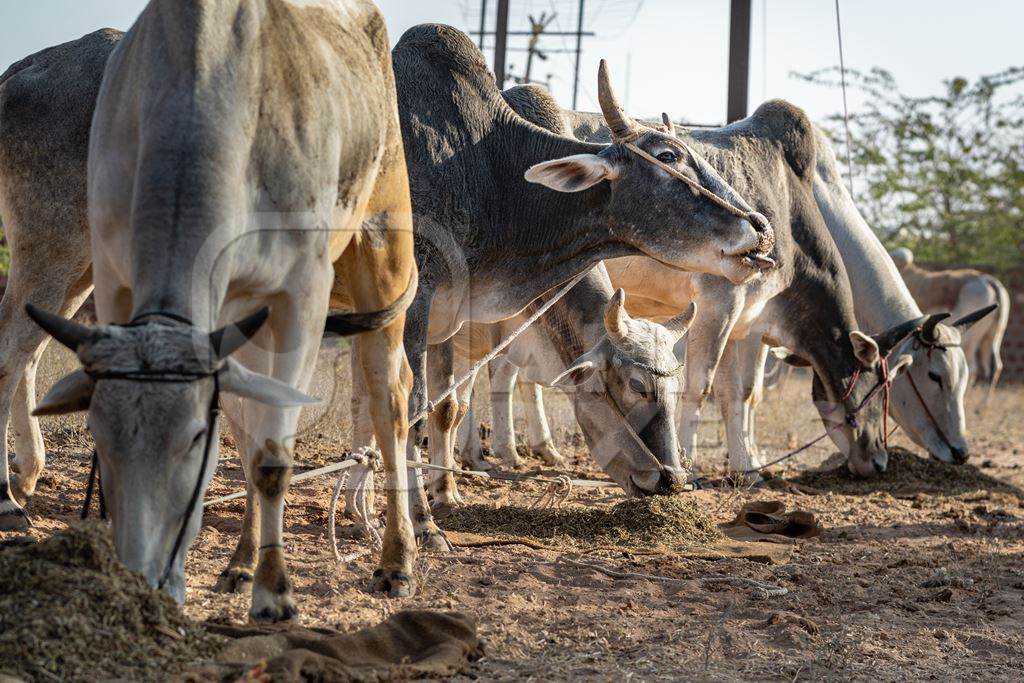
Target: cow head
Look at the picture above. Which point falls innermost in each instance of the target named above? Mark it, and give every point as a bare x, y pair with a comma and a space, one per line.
931, 408
851, 408
625, 396
151, 435
660, 215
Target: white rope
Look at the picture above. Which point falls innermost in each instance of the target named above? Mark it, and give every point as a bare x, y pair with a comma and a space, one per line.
469, 374
358, 485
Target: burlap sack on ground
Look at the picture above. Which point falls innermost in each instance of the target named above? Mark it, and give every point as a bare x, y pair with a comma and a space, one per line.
410, 644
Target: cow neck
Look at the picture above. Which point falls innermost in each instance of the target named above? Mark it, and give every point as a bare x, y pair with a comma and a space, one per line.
555, 234
880, 297
575, 324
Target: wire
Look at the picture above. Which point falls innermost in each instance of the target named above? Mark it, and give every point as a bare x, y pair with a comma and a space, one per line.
846, 110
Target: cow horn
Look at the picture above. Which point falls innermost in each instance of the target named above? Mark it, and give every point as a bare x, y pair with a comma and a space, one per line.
680, 324
894, 335
928, 329
623, 128
67, 332
972, 318
615, 318
666, 121
229, 338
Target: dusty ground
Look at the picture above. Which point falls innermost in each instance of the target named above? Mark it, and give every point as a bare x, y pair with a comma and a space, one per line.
907, 583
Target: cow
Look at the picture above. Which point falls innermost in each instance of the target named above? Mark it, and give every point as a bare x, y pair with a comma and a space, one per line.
46, 106
245, 163
805, 301
622, 373
492, 236
963, 291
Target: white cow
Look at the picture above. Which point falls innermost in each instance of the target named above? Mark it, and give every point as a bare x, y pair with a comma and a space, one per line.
963, 291
244, 154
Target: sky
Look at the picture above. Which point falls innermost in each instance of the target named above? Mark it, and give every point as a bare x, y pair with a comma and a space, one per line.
667, 55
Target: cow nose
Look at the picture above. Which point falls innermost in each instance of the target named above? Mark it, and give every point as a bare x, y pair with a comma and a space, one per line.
879, 464
960, 455
672, 480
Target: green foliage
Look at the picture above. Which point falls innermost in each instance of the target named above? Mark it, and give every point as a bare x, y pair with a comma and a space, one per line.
5, 255
941, 174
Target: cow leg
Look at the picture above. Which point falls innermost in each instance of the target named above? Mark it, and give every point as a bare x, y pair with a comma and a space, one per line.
388, 379
471, 449
238, 575
503, 435
755, 353
538, 433
730, 397
293, 333
441, 423
63, 289
362, 434
704, 346
428, 535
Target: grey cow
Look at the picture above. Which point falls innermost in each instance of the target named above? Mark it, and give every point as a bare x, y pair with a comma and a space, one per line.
491, 234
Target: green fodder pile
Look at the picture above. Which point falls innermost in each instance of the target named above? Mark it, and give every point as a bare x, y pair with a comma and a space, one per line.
70, 611
652, 522
908, 473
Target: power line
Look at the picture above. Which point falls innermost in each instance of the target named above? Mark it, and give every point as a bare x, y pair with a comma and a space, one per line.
846, 110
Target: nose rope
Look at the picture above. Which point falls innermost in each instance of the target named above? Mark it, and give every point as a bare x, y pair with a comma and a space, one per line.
928, 412
708, 194
884, 384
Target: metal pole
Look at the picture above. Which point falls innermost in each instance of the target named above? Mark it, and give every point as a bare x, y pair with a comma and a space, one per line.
500, 41
579, 49
483, 22
739, 60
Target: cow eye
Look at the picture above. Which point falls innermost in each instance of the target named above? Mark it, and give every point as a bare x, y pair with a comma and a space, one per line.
933, 376
637, 386
668, 157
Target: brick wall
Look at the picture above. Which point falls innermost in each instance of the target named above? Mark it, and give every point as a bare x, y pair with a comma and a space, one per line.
1013, 342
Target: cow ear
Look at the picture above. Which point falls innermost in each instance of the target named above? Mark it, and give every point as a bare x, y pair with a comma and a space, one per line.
576, 374
865, 349
572, 173
70, 395
789, 358
239, 380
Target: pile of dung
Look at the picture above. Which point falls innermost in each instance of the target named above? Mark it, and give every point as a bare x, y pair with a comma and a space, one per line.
652, 522
70, 611
908, 473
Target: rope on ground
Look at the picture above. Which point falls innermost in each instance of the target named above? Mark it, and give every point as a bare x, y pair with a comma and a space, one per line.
555, 495
758, 590
358, 485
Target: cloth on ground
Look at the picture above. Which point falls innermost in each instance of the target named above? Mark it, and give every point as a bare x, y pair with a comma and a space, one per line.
409, 644
769, 521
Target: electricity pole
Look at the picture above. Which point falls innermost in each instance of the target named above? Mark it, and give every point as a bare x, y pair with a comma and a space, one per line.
739, 60
500, 42
579, 49
483, 22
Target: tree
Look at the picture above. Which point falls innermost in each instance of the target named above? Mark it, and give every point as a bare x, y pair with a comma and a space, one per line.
942, 174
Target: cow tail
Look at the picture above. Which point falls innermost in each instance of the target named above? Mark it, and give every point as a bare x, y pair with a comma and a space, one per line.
348, 323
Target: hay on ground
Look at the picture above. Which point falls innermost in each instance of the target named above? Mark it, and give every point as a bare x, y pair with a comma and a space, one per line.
653, 522
70, 611
908, 473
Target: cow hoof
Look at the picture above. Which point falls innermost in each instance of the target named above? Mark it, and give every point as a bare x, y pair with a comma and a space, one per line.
550, 455
233, 580
479, 465
509, 458
432, 539
394, 582
20, 491
12, 517
283, 610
